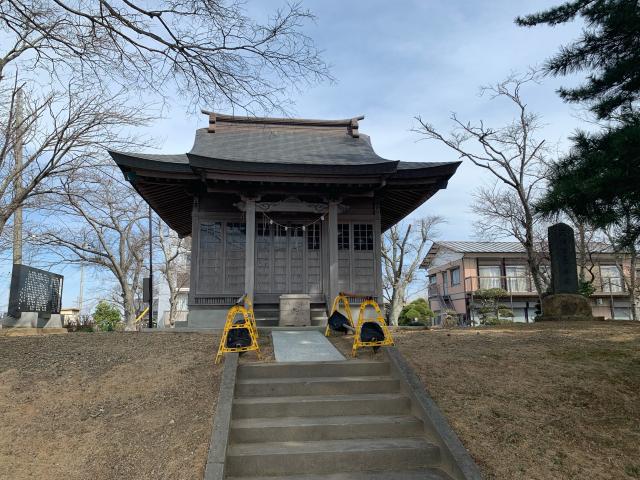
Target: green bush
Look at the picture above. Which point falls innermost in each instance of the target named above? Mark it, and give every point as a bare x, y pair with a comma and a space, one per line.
488, 306
416, 313
450, 319
585, 288
106, 316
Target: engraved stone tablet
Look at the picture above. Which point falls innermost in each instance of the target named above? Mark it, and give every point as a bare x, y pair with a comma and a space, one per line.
562, 248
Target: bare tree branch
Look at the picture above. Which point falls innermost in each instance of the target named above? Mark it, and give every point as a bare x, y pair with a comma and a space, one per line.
514, 157
403, 249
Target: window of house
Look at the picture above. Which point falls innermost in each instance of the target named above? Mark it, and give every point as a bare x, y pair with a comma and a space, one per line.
517, 278
611, 278
362, 236
313, 237
343, 236
455, 276
433, 279
490, 276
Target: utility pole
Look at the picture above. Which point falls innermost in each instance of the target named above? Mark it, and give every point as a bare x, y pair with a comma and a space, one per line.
81, 293
150, 268
17, 183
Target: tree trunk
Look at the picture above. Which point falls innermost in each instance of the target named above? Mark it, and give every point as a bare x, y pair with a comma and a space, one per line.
397, 303
129, 310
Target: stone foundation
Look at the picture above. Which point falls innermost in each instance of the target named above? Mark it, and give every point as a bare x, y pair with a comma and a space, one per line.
566, 307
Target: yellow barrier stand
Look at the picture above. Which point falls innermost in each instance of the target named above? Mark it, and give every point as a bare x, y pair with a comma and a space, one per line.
249, 306
357, 342
347, 308
230, 325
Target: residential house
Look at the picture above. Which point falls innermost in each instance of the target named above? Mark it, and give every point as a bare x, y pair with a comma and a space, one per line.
458, 270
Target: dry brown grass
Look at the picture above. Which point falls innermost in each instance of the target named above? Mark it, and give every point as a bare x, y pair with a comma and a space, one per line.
543, 401
106, 405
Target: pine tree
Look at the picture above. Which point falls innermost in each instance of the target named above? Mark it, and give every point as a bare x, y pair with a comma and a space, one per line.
598, 181
609, 49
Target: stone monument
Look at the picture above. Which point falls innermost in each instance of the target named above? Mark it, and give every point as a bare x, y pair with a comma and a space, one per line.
295, 310
564, 303
34, 298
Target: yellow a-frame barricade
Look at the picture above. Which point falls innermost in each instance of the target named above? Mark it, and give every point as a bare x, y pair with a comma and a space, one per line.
249, 306
357, 342
248, 323
336, 305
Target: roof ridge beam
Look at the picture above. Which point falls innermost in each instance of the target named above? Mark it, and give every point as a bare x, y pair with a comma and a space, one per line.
347, 122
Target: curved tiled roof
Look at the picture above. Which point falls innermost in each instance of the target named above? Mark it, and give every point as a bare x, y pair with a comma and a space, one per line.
264, 151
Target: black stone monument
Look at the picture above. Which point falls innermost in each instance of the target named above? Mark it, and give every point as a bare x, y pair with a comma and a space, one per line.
562, 249
564, 303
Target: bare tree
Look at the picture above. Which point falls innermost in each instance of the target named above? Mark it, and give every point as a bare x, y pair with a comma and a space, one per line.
403, 248
210, 50
63, 131
174, 266
515, 158
81, 54
100, 222
589, 242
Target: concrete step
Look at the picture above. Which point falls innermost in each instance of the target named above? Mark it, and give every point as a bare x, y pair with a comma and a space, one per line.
350, 368
266, 322
319, 321
274, 322
321, 405
264, 387
330, 456
324, 428
418, 474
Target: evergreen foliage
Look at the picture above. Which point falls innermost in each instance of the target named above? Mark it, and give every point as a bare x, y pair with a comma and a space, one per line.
416, 312
106, 316
489, 308
598, 181
609, 49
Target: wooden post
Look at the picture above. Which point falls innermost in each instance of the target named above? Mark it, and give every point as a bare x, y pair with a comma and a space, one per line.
377, 252
151, 268
250, 244
195, 251
333, 249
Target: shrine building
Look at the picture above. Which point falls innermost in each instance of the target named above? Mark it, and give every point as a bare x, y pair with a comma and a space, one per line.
280, 206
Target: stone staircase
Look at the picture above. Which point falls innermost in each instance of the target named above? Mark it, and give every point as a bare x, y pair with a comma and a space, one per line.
326, 420
267, 315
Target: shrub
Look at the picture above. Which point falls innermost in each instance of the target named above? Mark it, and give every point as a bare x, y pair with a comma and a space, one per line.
106, 316
416, 313
585, 288
450, 319
489, 308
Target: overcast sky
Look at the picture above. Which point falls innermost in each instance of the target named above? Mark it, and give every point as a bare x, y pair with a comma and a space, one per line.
393, 60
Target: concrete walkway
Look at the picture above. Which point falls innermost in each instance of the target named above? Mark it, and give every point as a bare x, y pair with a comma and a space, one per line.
303, 346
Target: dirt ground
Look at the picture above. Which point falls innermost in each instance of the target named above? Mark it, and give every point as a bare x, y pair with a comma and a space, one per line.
543, 401
106, 405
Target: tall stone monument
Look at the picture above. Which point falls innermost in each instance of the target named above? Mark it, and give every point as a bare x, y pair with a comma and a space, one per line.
564, 303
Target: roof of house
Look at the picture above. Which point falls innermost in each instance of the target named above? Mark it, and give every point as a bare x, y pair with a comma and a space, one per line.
272, 150
492, 247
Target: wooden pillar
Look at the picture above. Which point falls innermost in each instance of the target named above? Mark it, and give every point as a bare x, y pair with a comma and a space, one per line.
332, 238
377, 252
195, 251
250, 244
